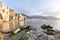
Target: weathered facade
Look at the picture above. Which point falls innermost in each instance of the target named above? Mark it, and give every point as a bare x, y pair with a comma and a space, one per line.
22, 20
7, 14
16, 16
4, 12
7, 26
11, 20
11, 15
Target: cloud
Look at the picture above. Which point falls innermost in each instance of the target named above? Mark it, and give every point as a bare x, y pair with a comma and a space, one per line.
35, 7
47, 12
52, 12
32, 11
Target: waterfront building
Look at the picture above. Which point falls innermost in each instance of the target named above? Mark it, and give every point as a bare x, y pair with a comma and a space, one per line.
7, 27
22, 20
11, 15
4, 12
11, 21
16, 16
7, 14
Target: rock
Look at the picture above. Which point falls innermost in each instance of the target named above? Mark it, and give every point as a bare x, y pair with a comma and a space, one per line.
16, 31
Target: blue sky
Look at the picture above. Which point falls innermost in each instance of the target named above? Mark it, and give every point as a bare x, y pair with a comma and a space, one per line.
35, 7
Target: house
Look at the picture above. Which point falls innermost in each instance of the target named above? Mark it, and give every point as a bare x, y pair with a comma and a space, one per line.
22, 20
11, 15
6, 14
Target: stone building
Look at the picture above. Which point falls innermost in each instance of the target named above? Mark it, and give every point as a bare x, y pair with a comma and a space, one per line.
7, 26
7, 14
16, 16
4, 12
11, 15
22, 20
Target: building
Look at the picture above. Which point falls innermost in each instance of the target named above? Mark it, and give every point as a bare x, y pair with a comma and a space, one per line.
7, 14
16, 16
22, 20
4, 12
7, 26
11, 15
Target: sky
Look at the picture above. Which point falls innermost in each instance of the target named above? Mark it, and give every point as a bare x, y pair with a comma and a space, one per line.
35, 7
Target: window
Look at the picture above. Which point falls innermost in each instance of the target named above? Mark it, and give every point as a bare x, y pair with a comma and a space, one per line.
3, 11
7, 7
15, 14
10, 18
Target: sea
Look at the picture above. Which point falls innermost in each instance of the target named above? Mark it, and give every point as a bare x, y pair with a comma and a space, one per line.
37, 24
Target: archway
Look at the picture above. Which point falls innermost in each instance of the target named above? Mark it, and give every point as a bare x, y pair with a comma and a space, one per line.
1, 17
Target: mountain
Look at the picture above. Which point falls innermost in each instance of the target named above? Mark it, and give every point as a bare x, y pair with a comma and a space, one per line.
43, 17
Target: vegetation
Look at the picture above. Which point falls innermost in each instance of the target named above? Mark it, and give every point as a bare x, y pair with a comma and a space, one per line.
27, 29
44, 26
28, 33
48, 28
24, 38
49, 32
12, 34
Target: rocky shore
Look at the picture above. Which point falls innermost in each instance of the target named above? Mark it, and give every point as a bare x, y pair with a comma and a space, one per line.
42, 36
39, 35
